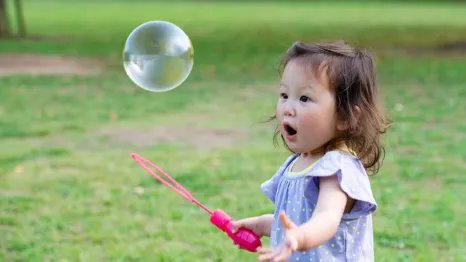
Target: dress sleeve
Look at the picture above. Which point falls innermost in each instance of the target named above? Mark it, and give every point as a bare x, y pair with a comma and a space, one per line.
353, 180
270, 186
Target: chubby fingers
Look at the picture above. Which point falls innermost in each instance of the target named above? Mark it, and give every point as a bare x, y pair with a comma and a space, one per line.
267, 254
236, 225
286, 222
275, 255
283, 256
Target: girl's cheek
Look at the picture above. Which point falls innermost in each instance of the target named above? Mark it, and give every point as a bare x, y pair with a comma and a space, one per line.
307, 117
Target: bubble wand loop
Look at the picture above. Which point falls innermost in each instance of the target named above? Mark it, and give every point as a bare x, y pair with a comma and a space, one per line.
246, 239
180, 189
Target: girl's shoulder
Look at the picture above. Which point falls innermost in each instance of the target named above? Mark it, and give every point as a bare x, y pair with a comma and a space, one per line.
336, 160
352, 178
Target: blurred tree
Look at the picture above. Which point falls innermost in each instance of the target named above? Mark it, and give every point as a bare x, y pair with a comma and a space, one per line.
5, 26
4, 23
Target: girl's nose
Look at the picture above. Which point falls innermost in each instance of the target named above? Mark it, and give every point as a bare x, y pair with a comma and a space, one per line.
289, 110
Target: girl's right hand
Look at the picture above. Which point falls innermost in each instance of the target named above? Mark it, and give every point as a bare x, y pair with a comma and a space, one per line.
252, 223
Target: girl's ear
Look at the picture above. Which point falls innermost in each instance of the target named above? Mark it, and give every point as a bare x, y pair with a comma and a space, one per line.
343, 125
357, 113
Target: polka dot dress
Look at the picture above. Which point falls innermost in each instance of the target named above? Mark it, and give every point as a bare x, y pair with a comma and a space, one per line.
296, 193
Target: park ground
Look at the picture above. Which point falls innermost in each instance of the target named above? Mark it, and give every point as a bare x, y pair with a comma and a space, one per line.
70, 117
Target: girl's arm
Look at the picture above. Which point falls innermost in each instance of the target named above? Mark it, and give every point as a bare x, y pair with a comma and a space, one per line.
260, 224
265, 224
326, 217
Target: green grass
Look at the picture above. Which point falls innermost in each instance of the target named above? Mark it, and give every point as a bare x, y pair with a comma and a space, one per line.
69, 190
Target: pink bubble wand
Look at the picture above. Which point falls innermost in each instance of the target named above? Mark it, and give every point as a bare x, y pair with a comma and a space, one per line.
244, 238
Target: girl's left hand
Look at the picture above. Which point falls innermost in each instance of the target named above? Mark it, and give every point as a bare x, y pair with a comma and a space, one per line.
287, 248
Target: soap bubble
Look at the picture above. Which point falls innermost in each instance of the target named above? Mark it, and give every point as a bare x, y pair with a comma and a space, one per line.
158, 56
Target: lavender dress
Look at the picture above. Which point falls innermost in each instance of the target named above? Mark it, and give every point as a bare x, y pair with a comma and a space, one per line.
296, 193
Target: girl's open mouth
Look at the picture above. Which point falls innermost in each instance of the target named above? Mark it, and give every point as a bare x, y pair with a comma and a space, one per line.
290, 131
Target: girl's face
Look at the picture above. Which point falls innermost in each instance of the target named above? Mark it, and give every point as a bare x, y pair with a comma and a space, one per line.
306, 109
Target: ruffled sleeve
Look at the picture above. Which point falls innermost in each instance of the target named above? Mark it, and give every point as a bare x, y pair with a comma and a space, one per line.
353, 180
270, 186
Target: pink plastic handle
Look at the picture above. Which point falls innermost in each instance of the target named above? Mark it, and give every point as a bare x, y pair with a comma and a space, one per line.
244, 238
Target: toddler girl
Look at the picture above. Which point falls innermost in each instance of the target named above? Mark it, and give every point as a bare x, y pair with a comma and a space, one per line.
329, 118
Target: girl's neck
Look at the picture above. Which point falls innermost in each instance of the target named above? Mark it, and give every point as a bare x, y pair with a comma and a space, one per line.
311, 155
319, 152
309, 158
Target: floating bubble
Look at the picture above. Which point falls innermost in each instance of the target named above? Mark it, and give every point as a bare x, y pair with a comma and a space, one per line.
158, 56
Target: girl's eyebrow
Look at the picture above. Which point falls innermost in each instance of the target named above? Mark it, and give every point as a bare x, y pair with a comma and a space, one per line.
309, 86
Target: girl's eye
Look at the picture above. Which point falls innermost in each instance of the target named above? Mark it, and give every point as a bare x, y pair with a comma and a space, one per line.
305, 99
283, 95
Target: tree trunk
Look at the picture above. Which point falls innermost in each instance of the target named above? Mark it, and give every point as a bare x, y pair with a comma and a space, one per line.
20, 18
4, 23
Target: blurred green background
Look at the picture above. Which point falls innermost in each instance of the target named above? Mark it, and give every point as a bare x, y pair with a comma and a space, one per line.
70, 117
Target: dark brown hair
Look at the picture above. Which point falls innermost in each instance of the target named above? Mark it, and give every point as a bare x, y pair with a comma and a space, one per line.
352, 77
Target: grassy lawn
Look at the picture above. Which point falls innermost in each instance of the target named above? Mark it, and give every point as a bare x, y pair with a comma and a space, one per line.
69, 190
